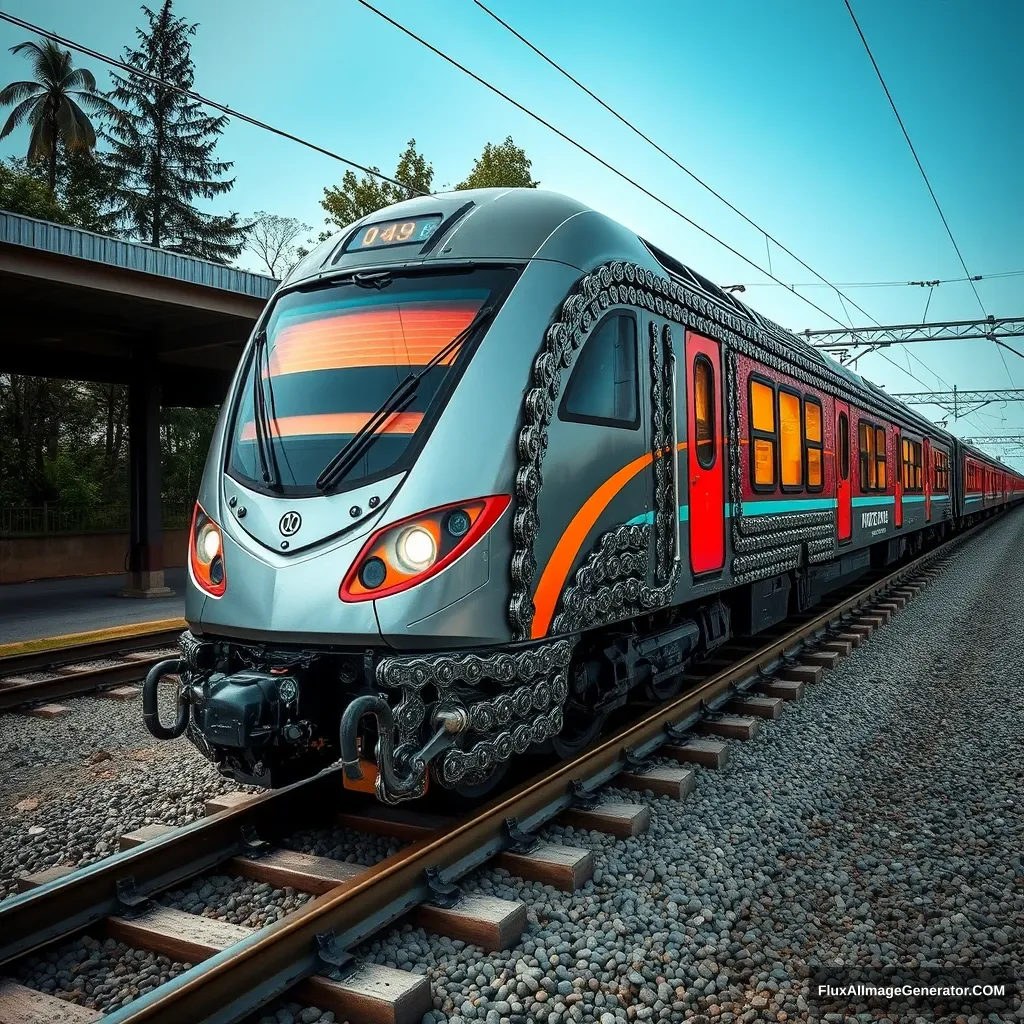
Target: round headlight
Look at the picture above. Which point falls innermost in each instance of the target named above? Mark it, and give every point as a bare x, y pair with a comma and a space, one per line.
372, 574
208, 543
217, 570
416, 549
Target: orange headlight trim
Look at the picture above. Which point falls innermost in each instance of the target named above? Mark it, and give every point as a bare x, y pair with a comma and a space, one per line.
206, 554
411, 551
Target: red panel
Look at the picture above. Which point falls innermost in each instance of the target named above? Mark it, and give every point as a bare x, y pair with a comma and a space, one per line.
898, 476
707, 486
844, 485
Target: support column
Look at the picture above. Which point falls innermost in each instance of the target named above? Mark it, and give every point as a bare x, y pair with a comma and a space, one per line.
146, 551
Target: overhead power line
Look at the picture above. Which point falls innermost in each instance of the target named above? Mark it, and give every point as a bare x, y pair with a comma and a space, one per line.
920, 167
822, 280
199, 98
884, 284
961, 403
625, 177
590, 153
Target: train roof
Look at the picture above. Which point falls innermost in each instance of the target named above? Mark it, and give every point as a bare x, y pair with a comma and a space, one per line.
519, 224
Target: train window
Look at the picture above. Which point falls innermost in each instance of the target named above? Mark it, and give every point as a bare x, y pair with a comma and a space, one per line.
790, 446
866, 443
911, 465
603, 388
704, 411
844, 446
918, 484
813, 443
763, 435
941, 480
905, 473
880, 456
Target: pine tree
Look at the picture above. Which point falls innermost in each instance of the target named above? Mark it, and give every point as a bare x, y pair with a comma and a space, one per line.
162, 148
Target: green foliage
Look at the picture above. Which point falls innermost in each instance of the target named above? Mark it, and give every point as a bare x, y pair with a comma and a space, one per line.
162, 154
356, 197
501, 166
21, 192
52, 104
185, 440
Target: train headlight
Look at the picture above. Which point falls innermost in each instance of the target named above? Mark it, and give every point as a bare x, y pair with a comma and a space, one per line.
413, 550
208, 543
416, 549
206, 554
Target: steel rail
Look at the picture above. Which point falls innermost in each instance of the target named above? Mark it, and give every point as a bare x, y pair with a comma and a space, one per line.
86, 650
74, 684
229, 985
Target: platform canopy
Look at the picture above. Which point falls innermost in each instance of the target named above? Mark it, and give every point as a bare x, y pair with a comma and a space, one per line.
82, 306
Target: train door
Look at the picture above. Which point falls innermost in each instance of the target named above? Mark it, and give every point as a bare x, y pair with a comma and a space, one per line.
706, 453
926, 469
844, 485
901, 466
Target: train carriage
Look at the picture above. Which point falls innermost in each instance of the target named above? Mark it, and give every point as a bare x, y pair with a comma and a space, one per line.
491, 464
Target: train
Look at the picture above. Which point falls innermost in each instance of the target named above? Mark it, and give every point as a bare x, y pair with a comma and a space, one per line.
490, 468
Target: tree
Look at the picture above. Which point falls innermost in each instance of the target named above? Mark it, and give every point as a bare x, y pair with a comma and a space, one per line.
21, 192
163, 143
52, 105
273, 239
502, 166
356, 197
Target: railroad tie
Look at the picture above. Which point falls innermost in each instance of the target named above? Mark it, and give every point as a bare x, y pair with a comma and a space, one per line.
563, 867
733, 727
20, 1004
668, 780
367, 995
395, 822
486, 921
784, 689
757, 707
704, 752
614, 817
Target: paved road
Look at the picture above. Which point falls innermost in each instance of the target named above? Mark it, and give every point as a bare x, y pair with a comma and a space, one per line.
54, 607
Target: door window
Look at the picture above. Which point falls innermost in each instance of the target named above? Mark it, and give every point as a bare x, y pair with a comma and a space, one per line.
813, 443
762, 435
704, 411
844, 446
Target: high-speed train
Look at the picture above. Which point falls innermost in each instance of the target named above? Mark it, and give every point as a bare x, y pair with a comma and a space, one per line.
492, 465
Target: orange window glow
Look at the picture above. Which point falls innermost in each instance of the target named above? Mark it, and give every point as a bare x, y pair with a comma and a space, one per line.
790, 443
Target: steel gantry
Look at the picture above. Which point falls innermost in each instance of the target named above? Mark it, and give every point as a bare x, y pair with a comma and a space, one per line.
849, 344
961, 403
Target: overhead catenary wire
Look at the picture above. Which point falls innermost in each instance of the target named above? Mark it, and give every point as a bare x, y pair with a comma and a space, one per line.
631, 181
884, 284
199, 98
920, 167
256, 122
593, 156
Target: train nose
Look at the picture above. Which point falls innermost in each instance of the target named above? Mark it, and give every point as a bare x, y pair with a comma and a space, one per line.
269, 596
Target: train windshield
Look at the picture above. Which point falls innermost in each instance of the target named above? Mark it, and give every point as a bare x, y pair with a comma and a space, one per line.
332, 356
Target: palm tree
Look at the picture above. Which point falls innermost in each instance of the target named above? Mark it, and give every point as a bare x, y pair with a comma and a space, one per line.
51, 105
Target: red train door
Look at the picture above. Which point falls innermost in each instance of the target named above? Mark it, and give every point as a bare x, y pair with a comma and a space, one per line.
844, 485
926, 469
900, 464
707, 477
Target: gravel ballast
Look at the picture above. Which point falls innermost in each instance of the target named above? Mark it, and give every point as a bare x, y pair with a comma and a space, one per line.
74, 785
877, 824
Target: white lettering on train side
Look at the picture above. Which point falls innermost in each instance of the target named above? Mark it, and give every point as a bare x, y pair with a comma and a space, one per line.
868, 519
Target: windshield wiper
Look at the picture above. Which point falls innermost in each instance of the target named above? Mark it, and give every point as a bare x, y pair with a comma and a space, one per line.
396, 402
264, 445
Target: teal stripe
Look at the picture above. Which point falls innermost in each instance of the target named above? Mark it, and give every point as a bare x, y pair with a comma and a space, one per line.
879, 499
648, 517
909, 499
974, 497
760, 508
940, 497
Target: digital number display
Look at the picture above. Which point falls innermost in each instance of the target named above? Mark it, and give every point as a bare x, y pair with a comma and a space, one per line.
395, 232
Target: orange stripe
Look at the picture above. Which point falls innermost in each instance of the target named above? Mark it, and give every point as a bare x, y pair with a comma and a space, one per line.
386, 337
335, 423
552, 580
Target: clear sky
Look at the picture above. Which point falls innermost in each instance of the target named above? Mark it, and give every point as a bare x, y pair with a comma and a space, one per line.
773, 102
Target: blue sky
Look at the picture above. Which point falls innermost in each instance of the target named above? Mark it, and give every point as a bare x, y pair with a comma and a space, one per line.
773, 102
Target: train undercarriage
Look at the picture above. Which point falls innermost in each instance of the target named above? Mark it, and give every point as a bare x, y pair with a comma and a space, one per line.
272, 714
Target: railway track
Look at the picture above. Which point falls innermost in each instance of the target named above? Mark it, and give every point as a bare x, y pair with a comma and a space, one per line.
306, 953
43, 676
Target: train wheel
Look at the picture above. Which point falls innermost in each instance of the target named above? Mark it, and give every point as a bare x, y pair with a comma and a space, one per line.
473, 789
578, 732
